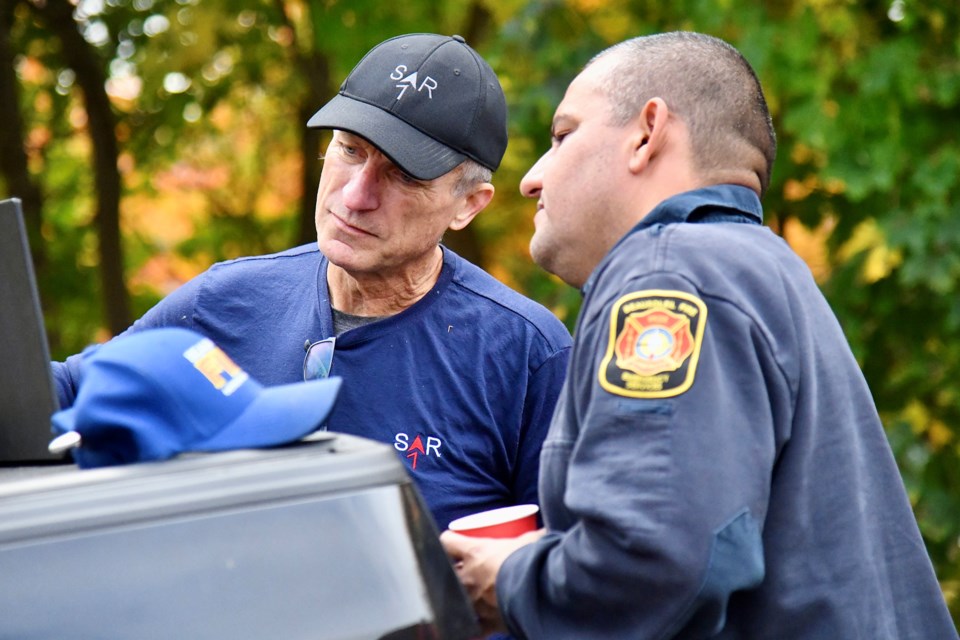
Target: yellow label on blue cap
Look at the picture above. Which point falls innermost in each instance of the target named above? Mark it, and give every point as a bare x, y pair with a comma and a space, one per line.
216, 366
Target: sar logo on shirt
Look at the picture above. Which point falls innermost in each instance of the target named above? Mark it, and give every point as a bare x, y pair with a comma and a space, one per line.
654, 344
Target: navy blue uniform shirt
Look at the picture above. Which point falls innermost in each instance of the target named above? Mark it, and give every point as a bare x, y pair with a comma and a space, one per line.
462, 384
716, 467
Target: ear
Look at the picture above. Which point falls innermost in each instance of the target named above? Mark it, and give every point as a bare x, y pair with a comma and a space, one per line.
649, 135
473, 204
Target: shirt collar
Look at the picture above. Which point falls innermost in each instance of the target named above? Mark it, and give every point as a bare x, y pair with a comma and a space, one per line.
734, 199
719, 202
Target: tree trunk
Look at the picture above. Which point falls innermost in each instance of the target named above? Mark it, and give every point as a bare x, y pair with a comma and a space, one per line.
85, 62
13, 160
314, 68
14, 164
318, 79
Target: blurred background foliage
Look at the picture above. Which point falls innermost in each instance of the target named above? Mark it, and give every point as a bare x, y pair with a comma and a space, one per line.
149, 138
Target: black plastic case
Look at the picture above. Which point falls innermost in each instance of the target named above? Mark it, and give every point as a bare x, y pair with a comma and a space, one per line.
326, 539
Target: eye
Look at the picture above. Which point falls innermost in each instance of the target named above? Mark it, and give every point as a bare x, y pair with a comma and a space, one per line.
557, 137
407, 179
349, 151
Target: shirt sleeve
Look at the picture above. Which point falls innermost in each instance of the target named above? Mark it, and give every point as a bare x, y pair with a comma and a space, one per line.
541, 398
662, 463
177, 309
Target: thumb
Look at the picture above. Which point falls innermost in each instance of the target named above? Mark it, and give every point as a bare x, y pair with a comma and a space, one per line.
455, 544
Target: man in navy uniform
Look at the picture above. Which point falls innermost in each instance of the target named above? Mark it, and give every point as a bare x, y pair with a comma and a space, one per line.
716, 467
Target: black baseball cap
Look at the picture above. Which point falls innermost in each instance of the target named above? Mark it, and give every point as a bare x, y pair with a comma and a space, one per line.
428, 102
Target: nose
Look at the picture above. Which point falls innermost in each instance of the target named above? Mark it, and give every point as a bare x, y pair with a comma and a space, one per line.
532, 183
362, 190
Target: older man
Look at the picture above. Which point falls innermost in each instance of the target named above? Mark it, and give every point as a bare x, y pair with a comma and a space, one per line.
716, 467
454, 369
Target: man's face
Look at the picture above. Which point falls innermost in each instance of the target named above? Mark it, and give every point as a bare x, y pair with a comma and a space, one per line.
373, 217
577, 180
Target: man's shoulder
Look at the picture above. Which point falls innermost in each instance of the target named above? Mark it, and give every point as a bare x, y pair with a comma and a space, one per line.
256, 277
741, 248
502, 301
275, 263
303, 252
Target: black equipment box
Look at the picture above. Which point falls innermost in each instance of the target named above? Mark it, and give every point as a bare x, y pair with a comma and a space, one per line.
324, 539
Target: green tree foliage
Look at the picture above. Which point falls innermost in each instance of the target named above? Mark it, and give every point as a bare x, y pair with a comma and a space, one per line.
210, 99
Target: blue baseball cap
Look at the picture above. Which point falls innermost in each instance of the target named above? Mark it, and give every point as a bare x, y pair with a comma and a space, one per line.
154, 394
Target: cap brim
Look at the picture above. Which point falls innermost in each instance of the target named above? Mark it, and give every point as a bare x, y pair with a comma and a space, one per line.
279, 415
409, 148
64, 420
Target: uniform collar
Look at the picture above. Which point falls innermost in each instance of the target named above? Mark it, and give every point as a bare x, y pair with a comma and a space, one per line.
689, 206
717, 203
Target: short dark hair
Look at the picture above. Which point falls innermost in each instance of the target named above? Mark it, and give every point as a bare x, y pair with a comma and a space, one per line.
708, 84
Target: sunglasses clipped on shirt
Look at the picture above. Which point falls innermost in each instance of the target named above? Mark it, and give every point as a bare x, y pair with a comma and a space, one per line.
319, 359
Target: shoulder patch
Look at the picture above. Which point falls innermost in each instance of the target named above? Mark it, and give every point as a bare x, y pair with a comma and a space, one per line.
654, 344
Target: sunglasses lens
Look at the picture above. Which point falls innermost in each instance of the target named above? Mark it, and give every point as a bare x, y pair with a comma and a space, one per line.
319, 360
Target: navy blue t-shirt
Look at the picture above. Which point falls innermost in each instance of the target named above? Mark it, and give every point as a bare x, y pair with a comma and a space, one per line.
463, 383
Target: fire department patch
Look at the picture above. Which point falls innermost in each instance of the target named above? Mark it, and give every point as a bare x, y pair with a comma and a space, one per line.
655, 338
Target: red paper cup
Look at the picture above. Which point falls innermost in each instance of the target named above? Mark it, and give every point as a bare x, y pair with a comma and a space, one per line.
505, 522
